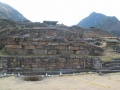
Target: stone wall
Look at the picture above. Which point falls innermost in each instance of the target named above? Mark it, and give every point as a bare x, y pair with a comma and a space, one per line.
47, 49
48, 46
39, 64
113, 64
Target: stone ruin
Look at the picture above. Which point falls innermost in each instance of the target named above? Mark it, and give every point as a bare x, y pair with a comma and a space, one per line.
47, 49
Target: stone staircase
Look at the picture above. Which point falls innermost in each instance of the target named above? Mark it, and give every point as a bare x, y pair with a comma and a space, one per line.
113, 65
97, 64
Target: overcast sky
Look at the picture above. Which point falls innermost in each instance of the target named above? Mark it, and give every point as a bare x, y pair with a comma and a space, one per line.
68, 12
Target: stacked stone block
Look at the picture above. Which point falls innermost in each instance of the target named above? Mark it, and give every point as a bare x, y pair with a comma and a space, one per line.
37, 64
22, 46
46, 50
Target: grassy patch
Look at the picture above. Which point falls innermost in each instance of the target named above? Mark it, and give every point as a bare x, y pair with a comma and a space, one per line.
109, 54
3, 52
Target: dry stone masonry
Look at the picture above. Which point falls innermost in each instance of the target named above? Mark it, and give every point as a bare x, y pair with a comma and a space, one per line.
47, 49
37, 64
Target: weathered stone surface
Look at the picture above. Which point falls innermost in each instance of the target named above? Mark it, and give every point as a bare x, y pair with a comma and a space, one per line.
76, 60
52, 52
65, 43
53, 43
29, 43
16, 51
73, 48
40, 52
38, 69
61, 60
60, 47
23, 43
76, 44
13, 46
10, 38
71, 60
35, 43
69, 65
77, 52
10, 43
42, 43
61, 66
35, 64
38, 47
29, 47
65, 52
47, 49
82, 52
78, 67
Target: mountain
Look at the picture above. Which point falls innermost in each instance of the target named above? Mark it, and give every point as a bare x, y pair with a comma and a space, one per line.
7, 12
98, 20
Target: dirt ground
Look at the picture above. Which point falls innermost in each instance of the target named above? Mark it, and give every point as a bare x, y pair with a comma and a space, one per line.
65, 82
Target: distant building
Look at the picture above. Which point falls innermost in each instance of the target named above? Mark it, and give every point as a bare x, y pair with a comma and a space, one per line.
92, 27
50, 23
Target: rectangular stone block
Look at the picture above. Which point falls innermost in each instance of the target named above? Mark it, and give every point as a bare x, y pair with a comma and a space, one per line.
22, 43
60, 47
65, 52
10, 38
65, 43
11, 43
52, 52
35, 43
38, 47
53, 65
34, 66
29, 47
50, 68
73, 48
78, 67
40, 52
53, 43
13, 46
16, 51
61, 65
70, 60
77, 52
69, 67
38, 69
76, 44
42, 43
29, 43
36, 39
46, 47
61, 60
82, 52
76, 60
75, 63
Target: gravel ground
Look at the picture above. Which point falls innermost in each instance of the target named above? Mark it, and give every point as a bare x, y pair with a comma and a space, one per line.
64, 82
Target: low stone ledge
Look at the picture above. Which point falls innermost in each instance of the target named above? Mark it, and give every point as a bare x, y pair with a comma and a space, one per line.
13, 46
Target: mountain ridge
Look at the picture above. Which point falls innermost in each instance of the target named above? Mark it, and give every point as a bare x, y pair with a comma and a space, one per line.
8, 12
98, 20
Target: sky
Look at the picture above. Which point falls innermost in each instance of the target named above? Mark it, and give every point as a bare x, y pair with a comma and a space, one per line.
68, 12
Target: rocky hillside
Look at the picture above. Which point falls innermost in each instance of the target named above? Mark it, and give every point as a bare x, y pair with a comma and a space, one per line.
6, 24
90, 32
7, 12
107, 23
